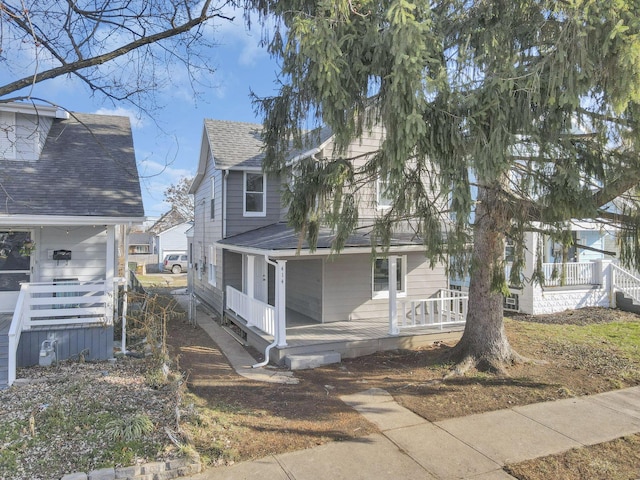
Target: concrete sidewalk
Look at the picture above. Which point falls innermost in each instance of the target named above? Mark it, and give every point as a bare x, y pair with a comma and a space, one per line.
472, 447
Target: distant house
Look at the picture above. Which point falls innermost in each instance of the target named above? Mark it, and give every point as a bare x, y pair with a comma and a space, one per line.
169, 235
69, 188
251, 269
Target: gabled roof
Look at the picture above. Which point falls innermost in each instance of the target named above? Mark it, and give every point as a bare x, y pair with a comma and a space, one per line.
279, 239
87, 169
239, 146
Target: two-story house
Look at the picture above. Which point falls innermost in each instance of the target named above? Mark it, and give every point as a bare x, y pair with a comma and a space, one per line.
69, 187
251, 268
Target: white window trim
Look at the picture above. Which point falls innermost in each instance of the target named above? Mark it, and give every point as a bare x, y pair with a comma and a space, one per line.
211, 268
263, 213
379, 196
385, 293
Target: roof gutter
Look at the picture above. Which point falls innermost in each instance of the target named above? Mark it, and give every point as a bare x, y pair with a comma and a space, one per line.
320, 252
54, 220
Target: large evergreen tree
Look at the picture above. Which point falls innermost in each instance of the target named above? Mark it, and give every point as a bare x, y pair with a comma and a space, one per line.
525, 111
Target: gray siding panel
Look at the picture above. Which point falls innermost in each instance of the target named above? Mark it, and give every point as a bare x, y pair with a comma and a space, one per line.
304, 287
70, 342
236, 222
348, 286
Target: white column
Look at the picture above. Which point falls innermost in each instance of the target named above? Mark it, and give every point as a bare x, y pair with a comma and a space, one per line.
281, 303
250, 283
393, 295
251, 275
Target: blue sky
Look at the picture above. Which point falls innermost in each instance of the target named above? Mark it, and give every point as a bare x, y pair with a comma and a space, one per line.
167, 145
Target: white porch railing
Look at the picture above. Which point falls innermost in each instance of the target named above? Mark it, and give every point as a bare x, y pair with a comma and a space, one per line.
448, 307
625, 282
255, 312
55, 304
568, 274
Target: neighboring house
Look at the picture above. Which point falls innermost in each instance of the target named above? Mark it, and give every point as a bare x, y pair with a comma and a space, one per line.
172, 240
250, 268
585, 274
69, 188
141, 251
169, 235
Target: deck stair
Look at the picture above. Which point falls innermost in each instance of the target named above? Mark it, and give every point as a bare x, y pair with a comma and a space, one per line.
627, 289
5, 323
302, 361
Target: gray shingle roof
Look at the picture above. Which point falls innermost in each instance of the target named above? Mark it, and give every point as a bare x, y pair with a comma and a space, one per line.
87, 168
280, 236
239, 145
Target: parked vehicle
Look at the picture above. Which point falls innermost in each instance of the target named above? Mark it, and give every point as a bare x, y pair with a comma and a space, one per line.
175, 263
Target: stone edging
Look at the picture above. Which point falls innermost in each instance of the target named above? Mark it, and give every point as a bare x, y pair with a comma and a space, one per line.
170, 469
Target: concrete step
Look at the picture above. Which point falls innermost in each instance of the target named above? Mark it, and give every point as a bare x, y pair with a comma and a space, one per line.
311, 360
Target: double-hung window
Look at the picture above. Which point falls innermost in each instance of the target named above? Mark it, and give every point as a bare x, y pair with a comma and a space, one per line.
381, 277
383, 200
211, 268
255, 194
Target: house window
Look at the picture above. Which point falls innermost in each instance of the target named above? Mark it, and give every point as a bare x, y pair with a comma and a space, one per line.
212, 266
7, 135
213, 198
139, 249
383, 200
255, 194
381, 277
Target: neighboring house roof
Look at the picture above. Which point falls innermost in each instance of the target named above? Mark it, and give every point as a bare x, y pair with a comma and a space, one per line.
184, 226
283, 238
168, 220
140, 238
239, 146
87, 169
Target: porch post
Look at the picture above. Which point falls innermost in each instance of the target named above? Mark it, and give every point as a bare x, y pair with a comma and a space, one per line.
109, 285
393, 295
281, 303
250, 282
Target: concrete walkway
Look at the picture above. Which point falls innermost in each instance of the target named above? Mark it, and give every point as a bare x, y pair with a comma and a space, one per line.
473, 447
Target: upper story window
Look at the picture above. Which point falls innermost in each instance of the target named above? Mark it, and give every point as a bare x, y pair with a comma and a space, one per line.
7, 135
255, 194
20, 135
383, 200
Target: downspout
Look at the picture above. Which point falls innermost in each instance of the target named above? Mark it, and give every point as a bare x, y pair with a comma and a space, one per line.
276, 337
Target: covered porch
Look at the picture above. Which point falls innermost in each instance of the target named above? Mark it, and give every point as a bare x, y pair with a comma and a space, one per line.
59, 296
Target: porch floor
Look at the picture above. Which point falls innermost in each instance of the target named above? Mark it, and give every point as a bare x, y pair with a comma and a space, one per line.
350, 338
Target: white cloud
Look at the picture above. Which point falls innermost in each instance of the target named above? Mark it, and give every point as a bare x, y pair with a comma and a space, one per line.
136, 119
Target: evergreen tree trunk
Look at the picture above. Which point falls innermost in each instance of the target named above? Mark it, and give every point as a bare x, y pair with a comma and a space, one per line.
484, 343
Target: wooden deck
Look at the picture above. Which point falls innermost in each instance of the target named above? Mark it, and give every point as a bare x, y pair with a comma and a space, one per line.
350, 338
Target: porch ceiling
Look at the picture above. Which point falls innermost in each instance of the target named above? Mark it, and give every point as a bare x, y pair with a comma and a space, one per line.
280, 239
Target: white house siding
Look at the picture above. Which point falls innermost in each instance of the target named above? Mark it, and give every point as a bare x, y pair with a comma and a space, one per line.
206, 232
88, 247
559, 300
236, 222
31, 132
304, 287
348, 286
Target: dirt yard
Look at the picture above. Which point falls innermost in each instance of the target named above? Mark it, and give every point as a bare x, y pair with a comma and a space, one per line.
588, 351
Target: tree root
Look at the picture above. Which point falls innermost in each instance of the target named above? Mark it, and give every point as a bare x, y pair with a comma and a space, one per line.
486, 363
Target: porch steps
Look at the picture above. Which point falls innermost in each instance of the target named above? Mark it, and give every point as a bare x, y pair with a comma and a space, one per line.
303, 361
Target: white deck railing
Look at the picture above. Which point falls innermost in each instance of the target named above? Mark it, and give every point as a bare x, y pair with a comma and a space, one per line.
568, 274
55, 304
625, 282
448, 307
255, 312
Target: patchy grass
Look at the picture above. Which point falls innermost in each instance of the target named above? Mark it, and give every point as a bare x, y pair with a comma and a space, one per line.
615, 460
